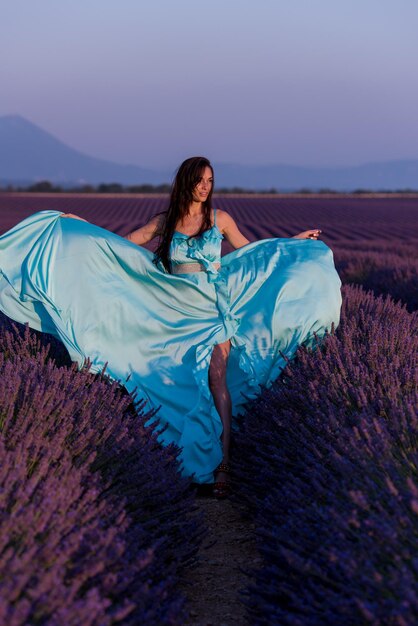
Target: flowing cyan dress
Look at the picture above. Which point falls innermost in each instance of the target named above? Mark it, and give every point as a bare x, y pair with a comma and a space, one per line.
106, 300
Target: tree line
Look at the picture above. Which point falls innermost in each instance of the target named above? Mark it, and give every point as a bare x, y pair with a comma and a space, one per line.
45, 186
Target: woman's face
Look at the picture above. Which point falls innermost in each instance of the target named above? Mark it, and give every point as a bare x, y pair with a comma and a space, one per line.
204, 186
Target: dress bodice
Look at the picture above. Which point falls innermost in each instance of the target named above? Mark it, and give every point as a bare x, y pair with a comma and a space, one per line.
205, 249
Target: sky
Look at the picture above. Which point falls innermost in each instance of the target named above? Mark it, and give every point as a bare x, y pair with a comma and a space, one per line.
151, 82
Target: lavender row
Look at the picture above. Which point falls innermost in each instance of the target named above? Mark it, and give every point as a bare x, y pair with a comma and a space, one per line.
340, 218
96, 522
327, 465
385, 273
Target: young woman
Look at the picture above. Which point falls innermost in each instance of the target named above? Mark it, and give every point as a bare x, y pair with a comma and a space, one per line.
196, 334
190, 213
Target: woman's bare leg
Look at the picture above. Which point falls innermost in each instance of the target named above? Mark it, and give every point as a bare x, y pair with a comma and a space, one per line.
221, 397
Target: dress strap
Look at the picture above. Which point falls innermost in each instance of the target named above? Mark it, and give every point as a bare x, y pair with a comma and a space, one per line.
214, 217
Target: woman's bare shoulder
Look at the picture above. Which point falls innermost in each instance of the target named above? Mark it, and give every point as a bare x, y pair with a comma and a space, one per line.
228, 227
224, 219
156, 220
221, 216
155, 223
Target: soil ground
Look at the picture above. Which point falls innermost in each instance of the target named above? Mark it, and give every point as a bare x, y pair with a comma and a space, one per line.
227, 554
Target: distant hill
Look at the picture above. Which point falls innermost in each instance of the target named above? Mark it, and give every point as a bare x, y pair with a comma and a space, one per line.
29, 154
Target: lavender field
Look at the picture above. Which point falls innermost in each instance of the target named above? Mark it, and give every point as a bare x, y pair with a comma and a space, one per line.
97, 525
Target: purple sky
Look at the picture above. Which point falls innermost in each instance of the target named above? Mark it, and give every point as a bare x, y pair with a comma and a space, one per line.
303, 82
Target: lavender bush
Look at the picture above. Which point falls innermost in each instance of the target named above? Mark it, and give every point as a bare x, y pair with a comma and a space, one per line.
328, 466
96, 522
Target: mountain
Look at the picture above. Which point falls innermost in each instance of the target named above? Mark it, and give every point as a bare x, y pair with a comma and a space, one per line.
29, 154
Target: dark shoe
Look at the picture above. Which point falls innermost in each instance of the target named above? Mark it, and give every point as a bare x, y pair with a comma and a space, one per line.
203, 490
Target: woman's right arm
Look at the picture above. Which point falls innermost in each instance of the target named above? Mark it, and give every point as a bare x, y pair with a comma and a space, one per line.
140, 235
145, 233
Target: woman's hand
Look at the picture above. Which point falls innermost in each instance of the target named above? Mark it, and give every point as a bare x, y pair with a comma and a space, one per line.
308, 234
75, 217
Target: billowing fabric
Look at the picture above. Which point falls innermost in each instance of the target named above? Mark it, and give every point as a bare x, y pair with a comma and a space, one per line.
106, 300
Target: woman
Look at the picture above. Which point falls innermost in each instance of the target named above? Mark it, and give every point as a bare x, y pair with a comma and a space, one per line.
190, 213
195, 336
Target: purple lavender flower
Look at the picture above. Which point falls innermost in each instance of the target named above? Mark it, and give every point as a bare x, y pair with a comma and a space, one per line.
327, 465
87, 532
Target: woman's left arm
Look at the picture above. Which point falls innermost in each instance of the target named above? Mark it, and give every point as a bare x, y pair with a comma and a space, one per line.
230, 230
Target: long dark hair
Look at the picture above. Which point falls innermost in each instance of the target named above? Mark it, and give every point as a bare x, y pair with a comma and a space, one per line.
187, 177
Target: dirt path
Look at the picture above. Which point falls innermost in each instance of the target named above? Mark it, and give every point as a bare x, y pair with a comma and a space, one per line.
213, 587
